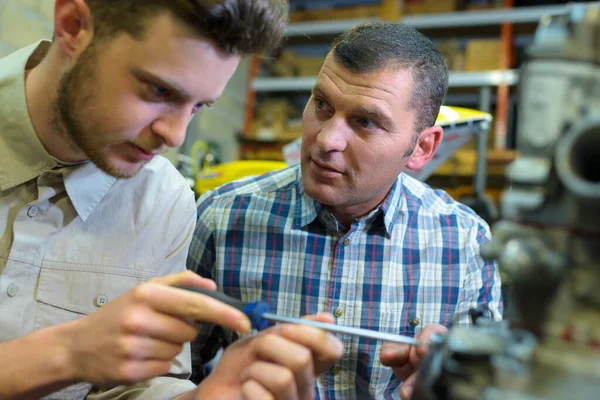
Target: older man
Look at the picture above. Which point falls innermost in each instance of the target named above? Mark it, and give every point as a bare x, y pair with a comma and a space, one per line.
347, 232
89, 211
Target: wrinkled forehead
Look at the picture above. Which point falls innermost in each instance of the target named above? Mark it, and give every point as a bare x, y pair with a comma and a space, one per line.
391, 86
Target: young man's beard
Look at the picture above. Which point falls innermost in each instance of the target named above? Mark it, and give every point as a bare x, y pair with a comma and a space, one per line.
74, 101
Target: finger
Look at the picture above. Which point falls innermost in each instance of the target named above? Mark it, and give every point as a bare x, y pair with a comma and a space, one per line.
326, 348
394, 354
252, 390
277, 380
406, 390
145, 348
149, 322
296, 359
425, 336
405, 371
185, 278
186, 304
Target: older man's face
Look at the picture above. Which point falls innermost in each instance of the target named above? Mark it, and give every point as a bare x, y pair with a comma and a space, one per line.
358, 130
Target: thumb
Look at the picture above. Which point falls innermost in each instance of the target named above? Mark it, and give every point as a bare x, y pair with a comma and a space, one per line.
394, 354
425, 337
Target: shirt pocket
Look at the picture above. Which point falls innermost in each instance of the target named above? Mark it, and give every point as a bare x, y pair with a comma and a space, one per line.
66, 293
384, 383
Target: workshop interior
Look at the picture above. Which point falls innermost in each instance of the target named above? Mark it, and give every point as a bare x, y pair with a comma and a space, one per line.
521, 147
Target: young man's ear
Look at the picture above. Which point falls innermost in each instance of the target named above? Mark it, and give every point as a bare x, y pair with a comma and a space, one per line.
73, 28
427, 144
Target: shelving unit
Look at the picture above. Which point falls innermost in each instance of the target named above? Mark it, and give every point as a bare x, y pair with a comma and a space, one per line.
455, 79
436, 21
485, 82
482, 79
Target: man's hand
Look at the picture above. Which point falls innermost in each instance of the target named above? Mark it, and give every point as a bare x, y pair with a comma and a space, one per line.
405, 359
278, 363
137, 335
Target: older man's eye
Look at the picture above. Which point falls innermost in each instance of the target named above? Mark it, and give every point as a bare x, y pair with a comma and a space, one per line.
367, 123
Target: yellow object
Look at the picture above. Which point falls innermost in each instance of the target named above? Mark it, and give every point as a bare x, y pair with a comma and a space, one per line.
449, 115
212, 177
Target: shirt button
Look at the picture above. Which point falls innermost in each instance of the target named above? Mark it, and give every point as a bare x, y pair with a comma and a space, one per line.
12, 290
338, 312
32, 211
335, 370
414, 322
346, 241
101, 300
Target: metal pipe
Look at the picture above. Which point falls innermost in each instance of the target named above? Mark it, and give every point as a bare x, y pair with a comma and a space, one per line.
388, 337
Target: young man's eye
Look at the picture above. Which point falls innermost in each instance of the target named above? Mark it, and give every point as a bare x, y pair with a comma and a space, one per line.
198, 107
158, 91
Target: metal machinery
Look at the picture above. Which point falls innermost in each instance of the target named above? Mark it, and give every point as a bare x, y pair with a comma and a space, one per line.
548, 243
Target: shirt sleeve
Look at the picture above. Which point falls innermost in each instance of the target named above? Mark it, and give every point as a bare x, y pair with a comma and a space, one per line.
160, 388
482, 285
202, 260
180, 217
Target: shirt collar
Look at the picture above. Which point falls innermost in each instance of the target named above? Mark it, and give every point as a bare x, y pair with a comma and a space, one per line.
22, 155
86, 185
393, 204
308, 208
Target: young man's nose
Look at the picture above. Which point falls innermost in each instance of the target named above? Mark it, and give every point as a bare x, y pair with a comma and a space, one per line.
172, 128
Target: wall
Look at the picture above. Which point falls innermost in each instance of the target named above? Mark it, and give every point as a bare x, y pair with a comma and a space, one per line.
225, 120
23, 22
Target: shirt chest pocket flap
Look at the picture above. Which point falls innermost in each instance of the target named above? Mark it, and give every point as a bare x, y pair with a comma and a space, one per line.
65, 294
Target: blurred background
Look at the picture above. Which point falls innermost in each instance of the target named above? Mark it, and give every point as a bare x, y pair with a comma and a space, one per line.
259, 113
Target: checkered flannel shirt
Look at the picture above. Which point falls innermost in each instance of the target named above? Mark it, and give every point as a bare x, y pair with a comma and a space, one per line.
411, 262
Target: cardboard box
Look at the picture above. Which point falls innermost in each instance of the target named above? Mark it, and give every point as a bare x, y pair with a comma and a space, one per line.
483, 55
336, 13
476, 5
453, 53
293, 64
429, 6
276, 121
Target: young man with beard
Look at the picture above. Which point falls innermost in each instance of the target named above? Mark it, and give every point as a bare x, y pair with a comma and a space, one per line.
347, 232
89, 211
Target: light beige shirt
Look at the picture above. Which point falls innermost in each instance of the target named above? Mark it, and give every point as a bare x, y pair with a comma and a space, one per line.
73, 238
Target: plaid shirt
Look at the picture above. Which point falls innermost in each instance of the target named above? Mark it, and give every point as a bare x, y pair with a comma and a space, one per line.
412, 262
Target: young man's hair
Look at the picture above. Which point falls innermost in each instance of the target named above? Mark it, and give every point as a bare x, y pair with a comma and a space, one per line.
372, 46
236, 26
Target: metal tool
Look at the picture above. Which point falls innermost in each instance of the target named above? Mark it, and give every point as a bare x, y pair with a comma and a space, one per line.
259, 314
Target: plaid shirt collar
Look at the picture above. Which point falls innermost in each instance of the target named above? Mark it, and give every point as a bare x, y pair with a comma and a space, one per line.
308, 209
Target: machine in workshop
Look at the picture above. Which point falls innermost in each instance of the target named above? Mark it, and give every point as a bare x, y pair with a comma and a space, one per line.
548, 244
